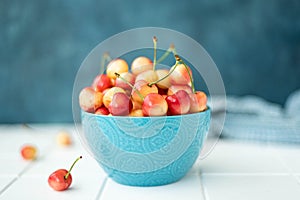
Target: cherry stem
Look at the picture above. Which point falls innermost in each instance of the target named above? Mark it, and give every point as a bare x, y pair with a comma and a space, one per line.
67, 175
25, 125
154, 54
123, 79
187, 69
178, 61
166, 54
174, 51
105, 58
170, 72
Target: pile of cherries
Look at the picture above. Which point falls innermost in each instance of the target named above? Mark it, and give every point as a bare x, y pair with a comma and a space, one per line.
143, 90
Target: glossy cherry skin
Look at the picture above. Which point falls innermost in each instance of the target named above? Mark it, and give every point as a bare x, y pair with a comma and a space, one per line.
90, 100
107, 97
198, 101
181, 75
154, 105
142, 88
102, 111
117, 65
57, 180
120, 104
101, 82
175, 88
178, 103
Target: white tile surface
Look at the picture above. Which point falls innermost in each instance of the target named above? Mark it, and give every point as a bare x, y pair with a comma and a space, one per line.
187, 188
232, 171
233, 157
63, 158
13, 139
290, 157
229, 187
36, 187
12, 166
5, 180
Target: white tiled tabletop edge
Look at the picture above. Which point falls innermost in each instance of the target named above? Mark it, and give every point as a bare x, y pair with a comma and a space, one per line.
282, 156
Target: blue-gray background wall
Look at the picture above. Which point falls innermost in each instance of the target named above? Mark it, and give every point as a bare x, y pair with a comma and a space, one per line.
255, 44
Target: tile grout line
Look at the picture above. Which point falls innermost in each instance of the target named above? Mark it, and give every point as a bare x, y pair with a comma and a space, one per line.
16, 178
99, 194
203, 188
19, 175
8, 185
198, 173
289, 169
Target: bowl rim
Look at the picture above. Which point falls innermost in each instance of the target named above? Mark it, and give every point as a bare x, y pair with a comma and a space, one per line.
207, 110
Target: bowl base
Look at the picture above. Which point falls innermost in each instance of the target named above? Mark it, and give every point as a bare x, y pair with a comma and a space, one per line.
144, 180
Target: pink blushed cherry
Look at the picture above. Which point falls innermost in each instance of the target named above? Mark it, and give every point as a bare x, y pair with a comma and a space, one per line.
101, 82
178, 103
198, 102
154, 105
107, 97
175, 88
181, 75
90, 100
141, 90
61, 179
120, 105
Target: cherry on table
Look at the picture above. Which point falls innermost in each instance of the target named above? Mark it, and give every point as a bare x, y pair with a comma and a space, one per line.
29, 152
61, 179
63, 138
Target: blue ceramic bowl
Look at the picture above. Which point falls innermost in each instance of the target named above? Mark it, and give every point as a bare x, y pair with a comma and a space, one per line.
146, 151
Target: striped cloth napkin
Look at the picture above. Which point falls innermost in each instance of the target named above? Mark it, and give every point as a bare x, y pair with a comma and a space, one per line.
253, 118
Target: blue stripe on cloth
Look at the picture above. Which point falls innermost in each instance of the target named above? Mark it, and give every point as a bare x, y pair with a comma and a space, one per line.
262, 128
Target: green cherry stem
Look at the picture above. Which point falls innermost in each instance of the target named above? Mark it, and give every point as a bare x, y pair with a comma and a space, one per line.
166, 54
187, 69
174, 51
105, 58
170, 72
67, 175
123, 79
154, 53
